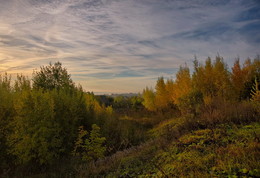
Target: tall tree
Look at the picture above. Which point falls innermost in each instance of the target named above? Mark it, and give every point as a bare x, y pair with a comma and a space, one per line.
222, 77
149, 99
47, 117
182, 85
208, 80
238, 79
45, 125
212, 79
170, 90
161, 97
251, 72
52, 76
90, 146
7, 113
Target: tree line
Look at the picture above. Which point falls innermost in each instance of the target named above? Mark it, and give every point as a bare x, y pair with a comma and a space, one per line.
209, 82
49, 119
40, 118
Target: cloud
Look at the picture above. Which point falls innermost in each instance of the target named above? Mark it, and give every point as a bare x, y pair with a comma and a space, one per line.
250, 32
206, 33
109, 42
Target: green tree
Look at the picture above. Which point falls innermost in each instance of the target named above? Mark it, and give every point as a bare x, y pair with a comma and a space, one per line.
89, 146
36, 135
222, 79
136, 102
7, 113
22, 83
190, 103
251, 71
46, 117
212, 79
45, 125
255, 93
52, 76
149, 99
203, 78
170, 90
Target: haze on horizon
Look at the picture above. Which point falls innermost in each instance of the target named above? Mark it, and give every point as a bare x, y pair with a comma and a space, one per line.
121, 46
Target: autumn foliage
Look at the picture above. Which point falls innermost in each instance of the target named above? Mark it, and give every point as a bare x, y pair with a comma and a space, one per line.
50, 127
210, 81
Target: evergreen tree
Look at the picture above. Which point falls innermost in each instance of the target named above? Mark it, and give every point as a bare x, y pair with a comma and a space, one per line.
251, 71
89, 146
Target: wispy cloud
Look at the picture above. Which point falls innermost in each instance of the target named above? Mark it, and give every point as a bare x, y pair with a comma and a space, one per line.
121, 46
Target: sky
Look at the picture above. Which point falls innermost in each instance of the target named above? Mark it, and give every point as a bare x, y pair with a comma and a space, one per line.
122, 46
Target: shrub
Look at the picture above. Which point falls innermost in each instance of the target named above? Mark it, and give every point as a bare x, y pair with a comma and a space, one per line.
217, 111
89, 147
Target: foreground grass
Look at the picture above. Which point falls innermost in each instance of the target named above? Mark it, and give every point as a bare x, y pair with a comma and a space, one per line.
227, 150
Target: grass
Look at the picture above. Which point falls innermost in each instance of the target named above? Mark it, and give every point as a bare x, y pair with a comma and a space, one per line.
227, 150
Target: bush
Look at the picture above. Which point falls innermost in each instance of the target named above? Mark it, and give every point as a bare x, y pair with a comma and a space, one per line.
89, 147
45, 125
217, 111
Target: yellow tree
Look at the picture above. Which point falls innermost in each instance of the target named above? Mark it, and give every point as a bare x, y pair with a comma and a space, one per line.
238, 79
212, 79
149, 99
251, 70
182, 85
170, 90
209, 79
203, 78
247, 68
161, 96
222, 80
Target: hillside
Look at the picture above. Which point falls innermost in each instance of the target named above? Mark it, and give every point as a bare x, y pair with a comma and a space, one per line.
227, 150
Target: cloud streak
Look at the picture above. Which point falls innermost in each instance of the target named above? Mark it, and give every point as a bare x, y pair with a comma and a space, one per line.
108, 43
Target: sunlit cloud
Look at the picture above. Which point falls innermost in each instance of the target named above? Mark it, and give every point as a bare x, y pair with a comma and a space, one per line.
123, 46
